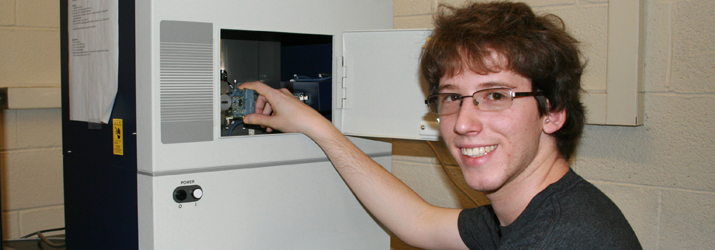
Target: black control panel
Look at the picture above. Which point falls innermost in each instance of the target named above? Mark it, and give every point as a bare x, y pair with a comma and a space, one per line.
185, 194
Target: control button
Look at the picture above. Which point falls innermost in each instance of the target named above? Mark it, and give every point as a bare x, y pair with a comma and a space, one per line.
183, 194
197, 193
180, 195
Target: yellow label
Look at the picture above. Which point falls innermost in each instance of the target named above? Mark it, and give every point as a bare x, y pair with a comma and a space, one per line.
118, 137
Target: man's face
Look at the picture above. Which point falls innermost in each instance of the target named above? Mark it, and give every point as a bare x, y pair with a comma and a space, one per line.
491, 147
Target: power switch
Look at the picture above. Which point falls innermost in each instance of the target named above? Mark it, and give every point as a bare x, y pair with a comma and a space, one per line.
180, 195
197, 193
183, 194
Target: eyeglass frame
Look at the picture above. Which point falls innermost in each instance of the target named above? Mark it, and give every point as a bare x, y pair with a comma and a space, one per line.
512, 95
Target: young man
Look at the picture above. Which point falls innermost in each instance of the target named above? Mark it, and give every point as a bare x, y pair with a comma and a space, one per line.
506, 86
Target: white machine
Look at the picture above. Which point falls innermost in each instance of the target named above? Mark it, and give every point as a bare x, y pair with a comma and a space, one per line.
192, 176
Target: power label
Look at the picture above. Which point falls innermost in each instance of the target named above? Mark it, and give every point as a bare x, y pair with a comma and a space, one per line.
118, 136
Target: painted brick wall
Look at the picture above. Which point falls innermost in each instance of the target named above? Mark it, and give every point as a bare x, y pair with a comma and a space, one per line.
660, 174
30, 140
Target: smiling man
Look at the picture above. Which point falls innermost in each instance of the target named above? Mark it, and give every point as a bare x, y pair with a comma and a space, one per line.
505, 83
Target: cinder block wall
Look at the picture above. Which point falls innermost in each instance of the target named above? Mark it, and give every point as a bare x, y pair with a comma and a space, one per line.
661, 174
30, 140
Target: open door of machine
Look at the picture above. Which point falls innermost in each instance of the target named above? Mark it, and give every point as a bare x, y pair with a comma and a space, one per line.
382, 92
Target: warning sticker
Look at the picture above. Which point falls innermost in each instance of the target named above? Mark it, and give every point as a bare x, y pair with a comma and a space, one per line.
118, 132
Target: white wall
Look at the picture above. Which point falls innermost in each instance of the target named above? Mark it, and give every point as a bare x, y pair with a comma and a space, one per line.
30, 140
660, 174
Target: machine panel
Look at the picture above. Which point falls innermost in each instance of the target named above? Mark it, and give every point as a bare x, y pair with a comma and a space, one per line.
190, 177
301, 206
384, 90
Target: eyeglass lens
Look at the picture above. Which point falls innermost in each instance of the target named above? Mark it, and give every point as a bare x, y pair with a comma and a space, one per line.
485, 100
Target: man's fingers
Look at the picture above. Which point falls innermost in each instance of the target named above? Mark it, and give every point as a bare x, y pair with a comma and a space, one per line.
263, 106
256, 119
259, 87
267, 110
259, 119
276, 108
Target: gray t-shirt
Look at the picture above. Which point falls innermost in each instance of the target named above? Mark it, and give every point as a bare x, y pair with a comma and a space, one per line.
568, 214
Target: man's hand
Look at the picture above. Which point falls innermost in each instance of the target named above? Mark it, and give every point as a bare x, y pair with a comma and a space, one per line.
280, 110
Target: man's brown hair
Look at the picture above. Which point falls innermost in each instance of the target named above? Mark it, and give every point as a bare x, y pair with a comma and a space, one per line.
534, 46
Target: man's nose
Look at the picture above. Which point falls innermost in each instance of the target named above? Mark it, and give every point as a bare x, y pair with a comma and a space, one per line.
468, 118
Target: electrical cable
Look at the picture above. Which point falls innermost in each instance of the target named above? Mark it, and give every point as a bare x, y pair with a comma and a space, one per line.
45, 239
451, 178
48, 242
230, 132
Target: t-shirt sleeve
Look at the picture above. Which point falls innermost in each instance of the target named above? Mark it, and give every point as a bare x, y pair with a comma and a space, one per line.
479, 228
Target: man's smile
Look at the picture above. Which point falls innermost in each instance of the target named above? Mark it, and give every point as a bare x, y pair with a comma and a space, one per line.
478, 151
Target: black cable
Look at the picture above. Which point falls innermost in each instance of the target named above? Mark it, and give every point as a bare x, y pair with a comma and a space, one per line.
42, 231
44, 239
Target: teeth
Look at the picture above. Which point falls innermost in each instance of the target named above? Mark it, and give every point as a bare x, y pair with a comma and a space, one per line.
477, 152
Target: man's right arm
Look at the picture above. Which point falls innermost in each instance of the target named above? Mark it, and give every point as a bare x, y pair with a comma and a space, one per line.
393, 203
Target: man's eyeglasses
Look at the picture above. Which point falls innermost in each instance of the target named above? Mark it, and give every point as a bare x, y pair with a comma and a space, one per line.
493, 99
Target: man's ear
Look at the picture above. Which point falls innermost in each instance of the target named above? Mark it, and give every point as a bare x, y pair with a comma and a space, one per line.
553, 121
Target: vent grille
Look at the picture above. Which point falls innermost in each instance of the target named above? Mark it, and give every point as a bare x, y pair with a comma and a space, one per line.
186, 79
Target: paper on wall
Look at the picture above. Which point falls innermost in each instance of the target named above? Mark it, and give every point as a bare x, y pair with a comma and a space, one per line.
94, 59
